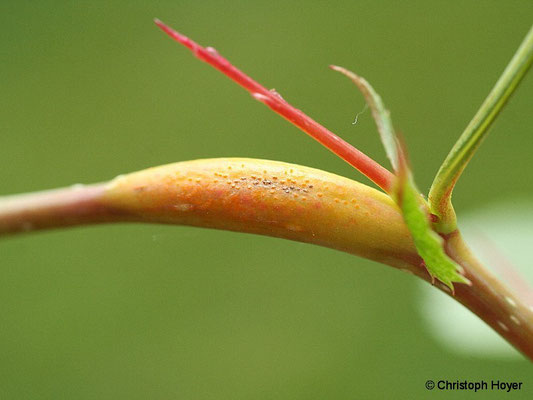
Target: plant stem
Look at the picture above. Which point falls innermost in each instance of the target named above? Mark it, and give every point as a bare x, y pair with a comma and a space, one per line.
58, 208
463, 150
504, 311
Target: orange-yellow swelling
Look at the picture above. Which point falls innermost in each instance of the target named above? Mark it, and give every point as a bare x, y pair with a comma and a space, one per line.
269, 198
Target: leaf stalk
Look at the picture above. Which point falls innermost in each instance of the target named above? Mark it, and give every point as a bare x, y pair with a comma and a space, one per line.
451, 169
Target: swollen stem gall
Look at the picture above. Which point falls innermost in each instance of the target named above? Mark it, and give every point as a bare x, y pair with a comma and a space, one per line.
237, 194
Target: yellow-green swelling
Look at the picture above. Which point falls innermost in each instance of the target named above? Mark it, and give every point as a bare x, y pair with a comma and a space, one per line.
269, 198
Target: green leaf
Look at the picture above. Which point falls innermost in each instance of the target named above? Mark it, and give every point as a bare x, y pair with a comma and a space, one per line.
380, 114
428, 244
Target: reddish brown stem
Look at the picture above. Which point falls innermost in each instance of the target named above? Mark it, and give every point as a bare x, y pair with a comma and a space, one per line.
58, 208
502, 309
367, 166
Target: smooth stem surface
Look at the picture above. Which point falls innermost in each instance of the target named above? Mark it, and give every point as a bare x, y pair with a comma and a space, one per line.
491, 300
58, 208
461, 153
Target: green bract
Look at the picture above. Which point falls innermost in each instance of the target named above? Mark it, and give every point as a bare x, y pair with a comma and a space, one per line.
428, 243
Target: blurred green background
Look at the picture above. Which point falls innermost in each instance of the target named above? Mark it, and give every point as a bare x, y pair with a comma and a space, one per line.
93, 89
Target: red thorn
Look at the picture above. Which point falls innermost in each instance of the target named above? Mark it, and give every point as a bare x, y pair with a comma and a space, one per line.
211, 56
374, 171
184, 40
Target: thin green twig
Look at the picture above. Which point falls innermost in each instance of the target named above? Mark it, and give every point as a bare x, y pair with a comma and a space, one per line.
463, 150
